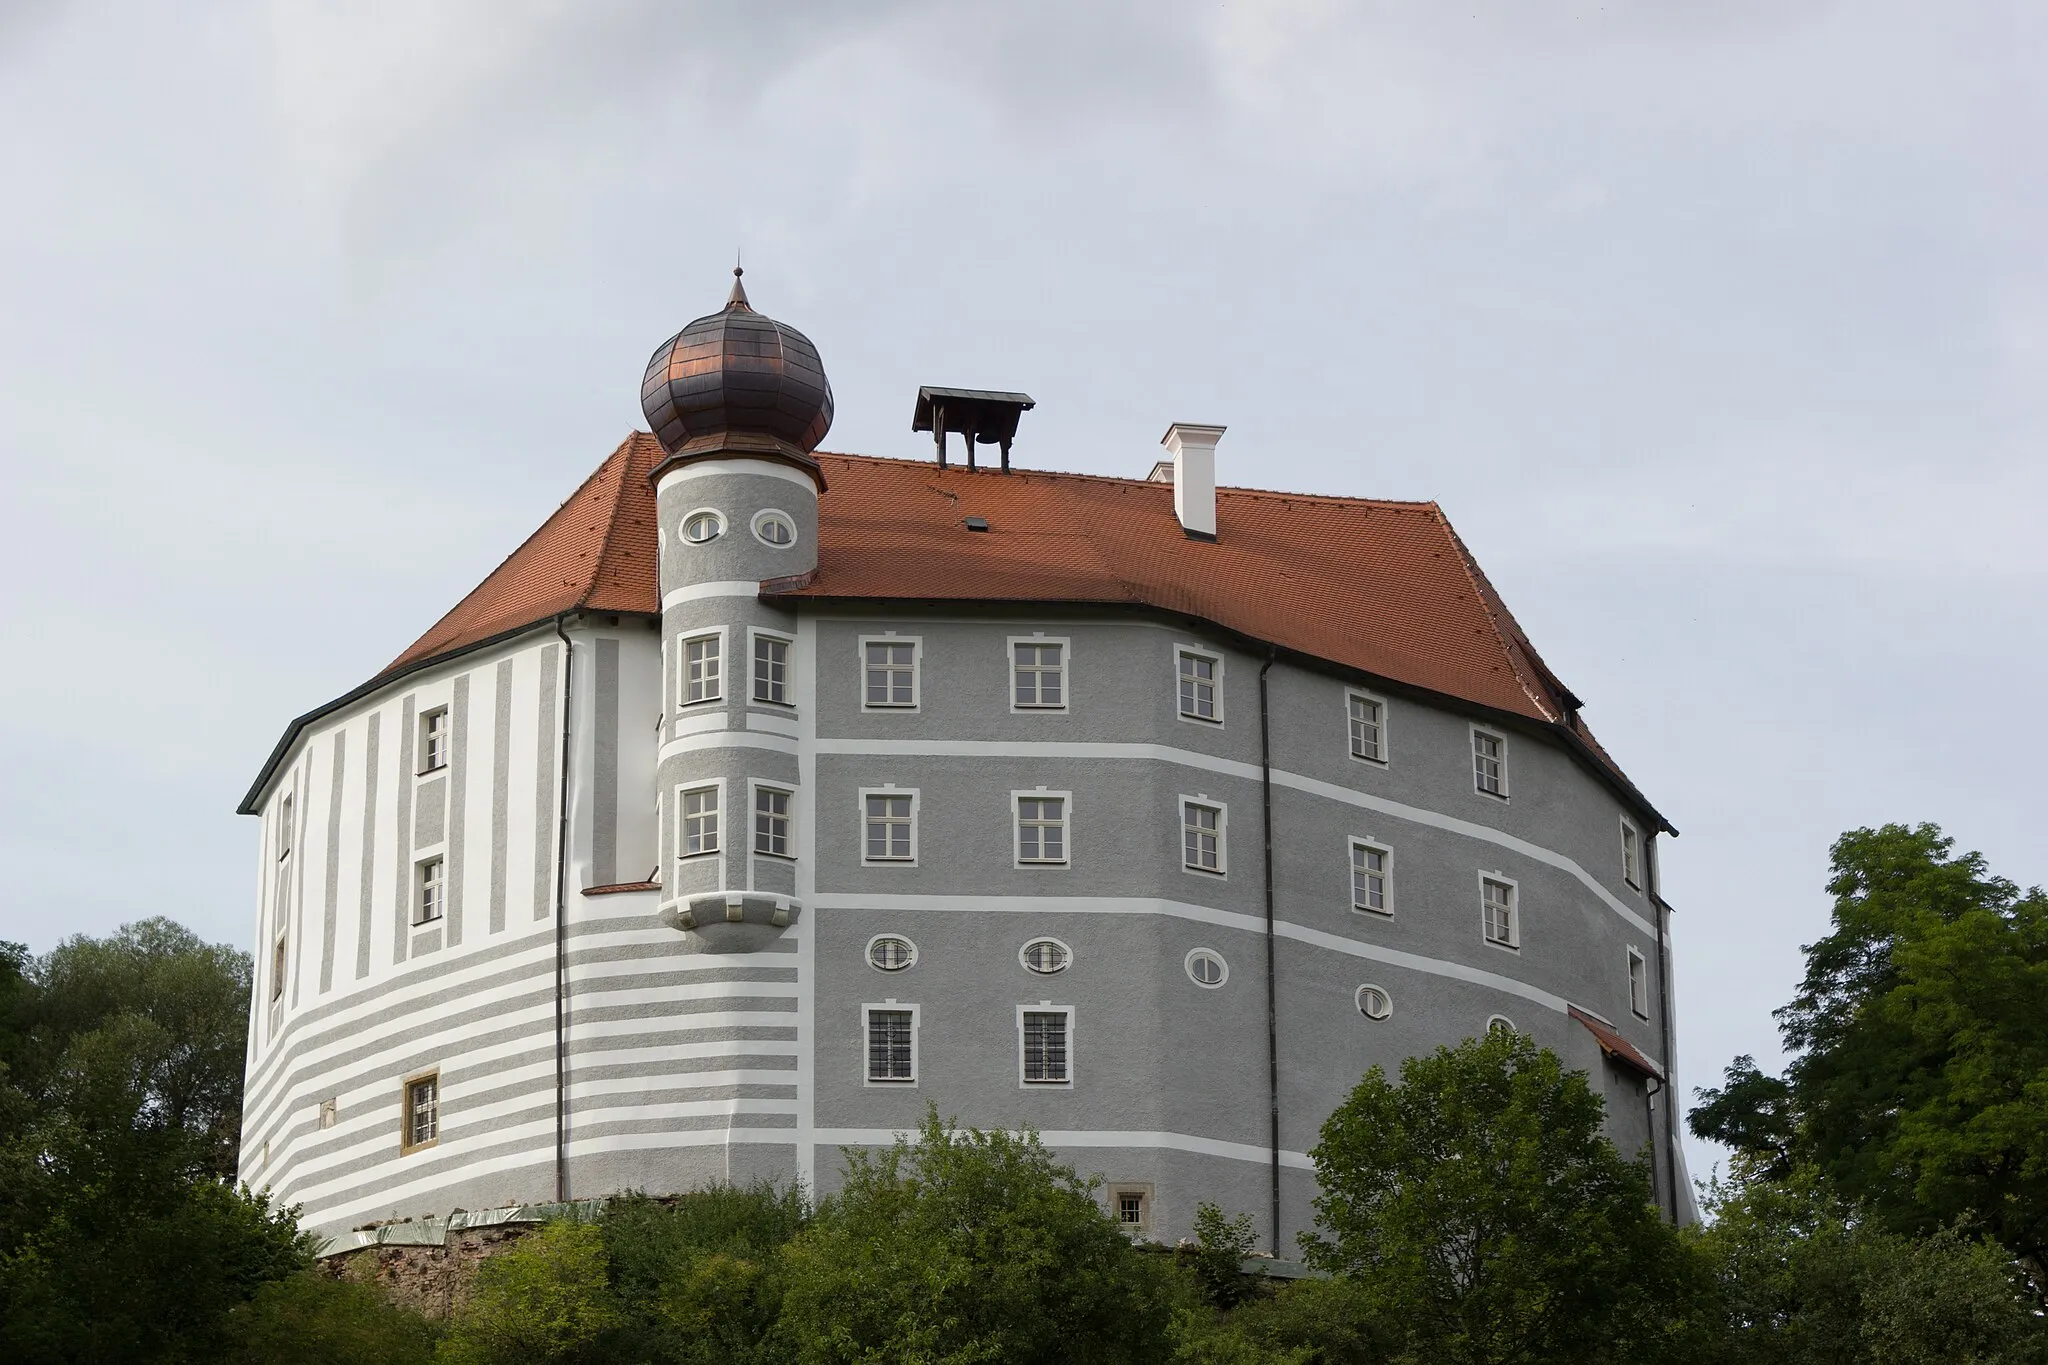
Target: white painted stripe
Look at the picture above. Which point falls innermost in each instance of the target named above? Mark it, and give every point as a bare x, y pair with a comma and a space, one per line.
699, 469
730, 739
1164, 753
1109, 1138
699, 723
774, 725
698, 592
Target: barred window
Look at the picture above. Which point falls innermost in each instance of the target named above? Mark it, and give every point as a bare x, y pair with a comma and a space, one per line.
1045, 956
702, 678
427, 905
891, 673
1039, 675
771, 821
1500, 913
889, 1050
1041, 829
700, 821
891, 953
771, 669
1201, 829
1367, 736
1489, 763
888, 828
422, 1110
1045, 1047
1369, 873
1198, 686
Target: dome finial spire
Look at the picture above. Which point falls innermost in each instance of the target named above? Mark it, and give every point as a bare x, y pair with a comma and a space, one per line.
738, 297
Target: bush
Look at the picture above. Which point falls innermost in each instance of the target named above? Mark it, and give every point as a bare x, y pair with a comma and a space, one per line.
309, 1317
547, 1301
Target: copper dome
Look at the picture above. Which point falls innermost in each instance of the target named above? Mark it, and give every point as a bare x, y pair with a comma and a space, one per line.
738, 380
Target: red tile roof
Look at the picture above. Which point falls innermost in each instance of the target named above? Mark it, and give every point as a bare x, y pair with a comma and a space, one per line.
1385, 588
1616, 1046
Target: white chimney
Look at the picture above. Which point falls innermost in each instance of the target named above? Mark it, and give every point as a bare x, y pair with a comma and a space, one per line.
1194, 476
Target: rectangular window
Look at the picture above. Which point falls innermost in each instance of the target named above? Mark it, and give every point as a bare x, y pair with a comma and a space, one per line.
1371, 871
284, 826
1201, 837
892, 1051
1499, 898
700, 822
1130, 1208
434, 740
703, 679
422, 1111
890, 828
771, 821
1198, 686
1041, 829
330, 1112
1631, 856
278, 958
771, 670
891, 671
1638, 984
1489, 763
427, 904
1038, 675
1368, 732
1045, 1047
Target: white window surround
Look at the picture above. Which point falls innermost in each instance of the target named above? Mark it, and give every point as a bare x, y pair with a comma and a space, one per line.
680, 814
1501, 752
1183, 650
1210, 955
1357, 846
430, 753
682, 525
1066, 673
900, 792
280, 961
1378, 758
1046, 1007
285, 805
867, 1069
1378, 1010
916, 702
1631, 856
430, 891
754, 812
1024, 955
683, 643
867, 953
1497, 1022
1514, 939
1066, 827
1188, 829
1638, 983
785, 518
755, 678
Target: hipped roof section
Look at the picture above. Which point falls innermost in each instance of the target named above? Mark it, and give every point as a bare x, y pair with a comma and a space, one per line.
1383, 589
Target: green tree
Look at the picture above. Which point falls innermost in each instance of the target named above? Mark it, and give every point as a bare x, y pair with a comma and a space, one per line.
1918, 1086
309, 1317
1484, 1218
699, 1275
546, 1301
970, 1247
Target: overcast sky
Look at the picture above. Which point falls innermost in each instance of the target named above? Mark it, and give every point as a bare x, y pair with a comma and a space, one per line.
1722, 337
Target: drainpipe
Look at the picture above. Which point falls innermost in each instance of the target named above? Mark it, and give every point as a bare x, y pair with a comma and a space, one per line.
1650, 1121
562, 930
1272, 1011
1664, 1029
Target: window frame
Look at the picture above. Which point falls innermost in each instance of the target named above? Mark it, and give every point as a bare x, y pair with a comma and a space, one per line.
427, 764
1066, 646
1506, 789
755, 522
1356, 844
683, 701
1220, 872
862, 809
287, 805
1514, 887
755, 635
755, 788
1493, 1020
1124, 1189
916, 702
1187, 965
1631, 855
1183, 650
1358, 1002
420, 885
681, 817
868, 1079
1028, 944
1638, 983
1046, 1007
406, 1145
280, 964
1378, 760
683, 525
868, 949
1066, 798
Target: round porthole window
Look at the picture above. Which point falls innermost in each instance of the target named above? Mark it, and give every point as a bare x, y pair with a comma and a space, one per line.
1046, 956
890, 953
701, 526
1206, 967
1374, 1002
1500, 1023
774, 528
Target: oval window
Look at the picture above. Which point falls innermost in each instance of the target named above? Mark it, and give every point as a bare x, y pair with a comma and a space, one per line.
774, 528
1206, 967
1500, 1023
699, 527
1374, 1002
888, 953
1046, 956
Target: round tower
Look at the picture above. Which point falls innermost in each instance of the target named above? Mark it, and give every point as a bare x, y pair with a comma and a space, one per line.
738, 401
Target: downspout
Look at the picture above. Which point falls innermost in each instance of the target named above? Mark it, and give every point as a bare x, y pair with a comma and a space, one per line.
1664, 1027
1272, 1010
1650, 1122
562, 929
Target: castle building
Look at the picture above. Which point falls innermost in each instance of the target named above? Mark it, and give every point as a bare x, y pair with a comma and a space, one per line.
764, 797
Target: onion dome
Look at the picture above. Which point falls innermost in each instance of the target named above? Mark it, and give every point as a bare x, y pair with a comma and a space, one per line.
737, 380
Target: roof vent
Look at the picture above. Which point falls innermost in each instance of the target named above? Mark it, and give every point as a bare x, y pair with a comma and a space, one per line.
976, 523
983, 415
